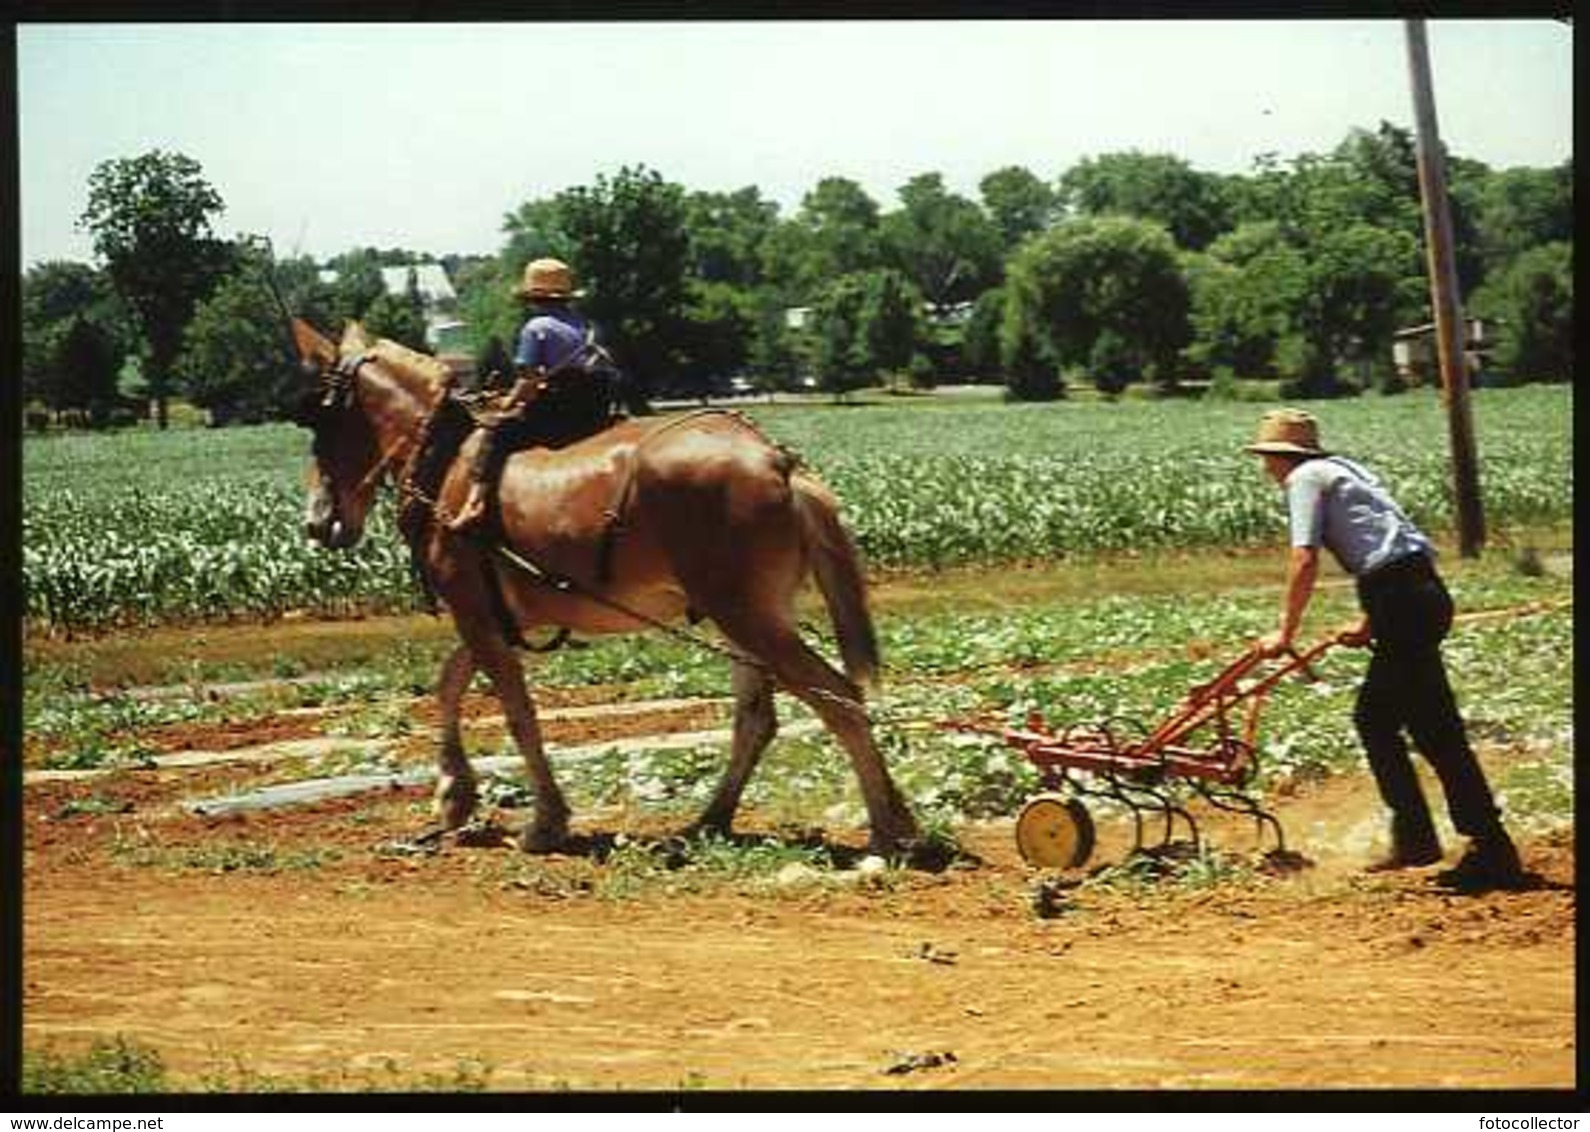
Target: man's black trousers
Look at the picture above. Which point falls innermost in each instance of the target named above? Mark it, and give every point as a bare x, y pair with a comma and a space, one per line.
1406, 691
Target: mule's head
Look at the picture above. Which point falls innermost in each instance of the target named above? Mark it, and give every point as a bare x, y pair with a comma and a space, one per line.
342, 476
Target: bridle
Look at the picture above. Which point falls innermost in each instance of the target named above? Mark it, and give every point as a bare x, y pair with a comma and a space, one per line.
337, 392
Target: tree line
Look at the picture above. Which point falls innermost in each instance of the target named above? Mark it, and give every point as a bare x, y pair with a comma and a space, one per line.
1128, 267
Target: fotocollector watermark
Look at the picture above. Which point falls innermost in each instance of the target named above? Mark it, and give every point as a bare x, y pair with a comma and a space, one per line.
1527, 1123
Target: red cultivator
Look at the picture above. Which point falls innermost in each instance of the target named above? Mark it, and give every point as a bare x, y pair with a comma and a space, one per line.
1142, 769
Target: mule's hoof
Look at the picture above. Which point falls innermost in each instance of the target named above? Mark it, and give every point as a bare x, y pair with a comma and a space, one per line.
540, 839
697, 830
894, 840
455, 803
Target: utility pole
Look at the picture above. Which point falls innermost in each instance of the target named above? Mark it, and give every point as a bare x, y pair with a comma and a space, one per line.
1449, 329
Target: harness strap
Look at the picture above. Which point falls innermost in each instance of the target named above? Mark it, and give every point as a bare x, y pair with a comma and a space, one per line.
499, 606
615, 514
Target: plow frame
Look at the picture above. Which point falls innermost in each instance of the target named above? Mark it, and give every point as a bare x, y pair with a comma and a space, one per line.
1142, 773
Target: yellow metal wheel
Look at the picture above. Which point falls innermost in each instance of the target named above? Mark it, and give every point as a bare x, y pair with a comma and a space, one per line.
1054, 832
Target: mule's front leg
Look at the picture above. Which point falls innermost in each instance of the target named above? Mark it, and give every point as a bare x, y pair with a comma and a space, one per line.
456, 791
550, 829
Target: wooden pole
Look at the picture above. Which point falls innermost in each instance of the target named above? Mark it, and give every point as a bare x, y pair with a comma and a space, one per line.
1444, 299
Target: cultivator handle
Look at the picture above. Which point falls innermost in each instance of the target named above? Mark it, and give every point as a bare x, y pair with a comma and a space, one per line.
1301, 661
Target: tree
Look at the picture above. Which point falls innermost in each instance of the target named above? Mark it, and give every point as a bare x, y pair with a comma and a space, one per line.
720, 323
775, 351
150, 221
1067, 286
1112, 364
487, 304
1522, 209
630, 251
235, 361
1265, 305
834, 233
840, 352
1245, 290
1031, 371
980, 345
53, 294
1383, 167
1019, 202
891, 325
1533, 301
87, 362
536, 230
726, 233
1153, 186
943, 242
1349, 301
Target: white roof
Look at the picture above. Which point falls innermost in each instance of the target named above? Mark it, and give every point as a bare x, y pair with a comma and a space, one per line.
429, 277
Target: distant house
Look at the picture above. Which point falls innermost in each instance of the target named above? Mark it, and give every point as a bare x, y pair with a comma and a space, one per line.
436, 290
1413, 349
445, 332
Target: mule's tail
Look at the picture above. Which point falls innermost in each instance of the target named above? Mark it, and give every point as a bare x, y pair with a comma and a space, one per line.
837, 564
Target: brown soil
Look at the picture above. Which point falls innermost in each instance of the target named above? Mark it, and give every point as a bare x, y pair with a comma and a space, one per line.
348, 956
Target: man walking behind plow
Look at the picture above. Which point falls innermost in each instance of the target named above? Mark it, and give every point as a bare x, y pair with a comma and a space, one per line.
1407, 612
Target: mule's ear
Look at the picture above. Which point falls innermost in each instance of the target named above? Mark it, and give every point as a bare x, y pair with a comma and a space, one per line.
314, 348
354, 338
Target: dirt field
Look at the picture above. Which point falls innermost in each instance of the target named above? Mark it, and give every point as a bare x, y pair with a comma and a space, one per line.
345, 956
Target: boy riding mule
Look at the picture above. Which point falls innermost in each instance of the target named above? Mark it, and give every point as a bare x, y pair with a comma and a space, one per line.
563, 390
630, 529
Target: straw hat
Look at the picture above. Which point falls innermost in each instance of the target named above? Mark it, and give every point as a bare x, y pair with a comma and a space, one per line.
547, 279
1287, 432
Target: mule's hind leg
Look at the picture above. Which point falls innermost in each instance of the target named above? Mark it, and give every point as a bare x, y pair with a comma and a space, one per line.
838, 703
755, 724
456, 790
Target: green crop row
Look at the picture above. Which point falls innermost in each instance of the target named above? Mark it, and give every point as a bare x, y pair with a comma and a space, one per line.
202, 525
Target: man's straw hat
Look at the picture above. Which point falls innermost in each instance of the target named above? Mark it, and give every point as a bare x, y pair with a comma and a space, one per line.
547, 279
1287, 432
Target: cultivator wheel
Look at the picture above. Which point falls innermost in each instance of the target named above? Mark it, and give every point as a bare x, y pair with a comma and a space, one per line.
1054, 832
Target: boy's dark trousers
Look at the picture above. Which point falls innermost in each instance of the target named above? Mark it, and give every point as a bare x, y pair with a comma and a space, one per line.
564, 412
1406, 689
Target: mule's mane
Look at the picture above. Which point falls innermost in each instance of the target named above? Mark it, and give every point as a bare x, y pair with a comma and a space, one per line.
395, 354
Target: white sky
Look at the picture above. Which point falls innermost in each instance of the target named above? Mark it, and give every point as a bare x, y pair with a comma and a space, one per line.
327, 137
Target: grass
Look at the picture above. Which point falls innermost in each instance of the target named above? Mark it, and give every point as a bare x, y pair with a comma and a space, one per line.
237, 857
126, 1066
110, 1065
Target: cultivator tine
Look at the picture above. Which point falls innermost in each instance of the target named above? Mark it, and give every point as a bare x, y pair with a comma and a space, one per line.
1234, 803
1117, 791
1187, 818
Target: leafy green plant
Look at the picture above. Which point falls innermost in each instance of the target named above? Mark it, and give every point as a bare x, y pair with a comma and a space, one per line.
110, 1065
245, 856
208, 529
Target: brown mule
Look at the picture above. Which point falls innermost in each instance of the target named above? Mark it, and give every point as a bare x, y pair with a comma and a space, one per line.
714, 520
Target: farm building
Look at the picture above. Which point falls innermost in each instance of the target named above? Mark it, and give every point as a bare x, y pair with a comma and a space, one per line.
1413, 349
429, 278
445, 332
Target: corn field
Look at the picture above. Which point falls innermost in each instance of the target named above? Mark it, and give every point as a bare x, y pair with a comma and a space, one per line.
142, 528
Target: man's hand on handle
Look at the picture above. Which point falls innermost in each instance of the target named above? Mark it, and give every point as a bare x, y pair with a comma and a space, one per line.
1355, 636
